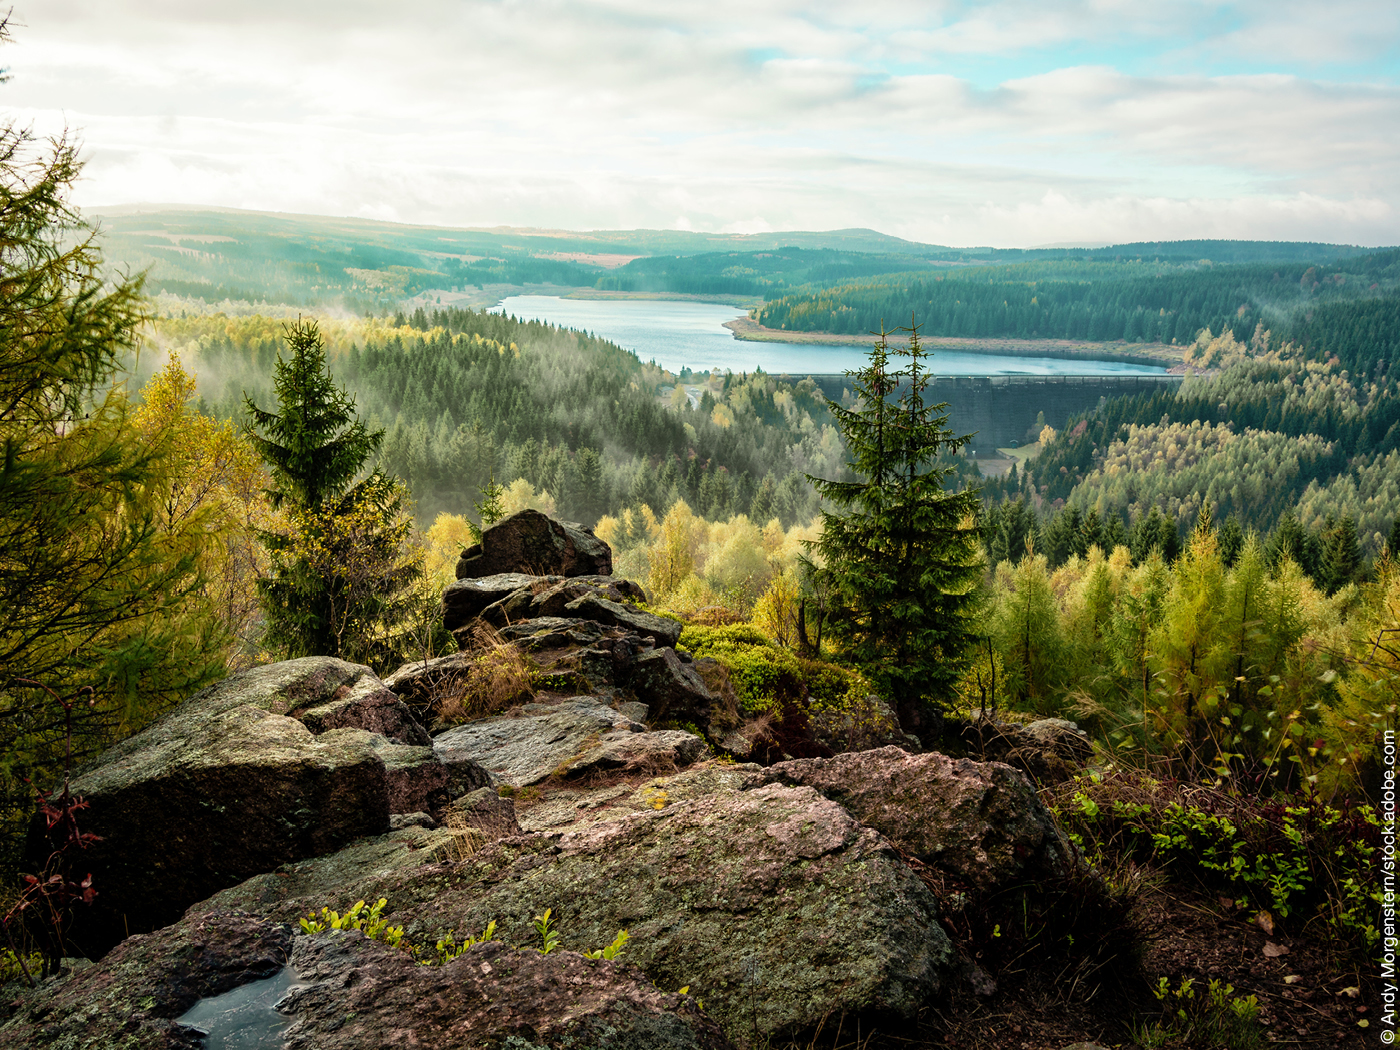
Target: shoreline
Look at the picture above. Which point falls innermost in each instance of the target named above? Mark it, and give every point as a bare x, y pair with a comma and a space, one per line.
1160, 354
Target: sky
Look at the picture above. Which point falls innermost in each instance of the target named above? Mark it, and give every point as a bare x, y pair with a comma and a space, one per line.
1009, 123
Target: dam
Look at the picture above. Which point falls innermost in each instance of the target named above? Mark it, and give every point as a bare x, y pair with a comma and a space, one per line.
1002, 409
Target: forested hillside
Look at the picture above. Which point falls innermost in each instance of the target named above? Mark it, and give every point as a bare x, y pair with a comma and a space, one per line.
1309, 431
1136, 301
466, 396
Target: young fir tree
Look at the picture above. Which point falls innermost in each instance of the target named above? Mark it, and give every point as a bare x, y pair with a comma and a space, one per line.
340, 572
901, 554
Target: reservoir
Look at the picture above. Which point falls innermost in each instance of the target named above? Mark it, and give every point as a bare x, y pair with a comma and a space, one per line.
678, 334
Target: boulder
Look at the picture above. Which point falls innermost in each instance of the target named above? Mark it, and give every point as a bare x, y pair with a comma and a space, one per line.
672, 690
531, 542
980, 822
774, 905
365, 704
566, 739
322, 879
232, 783
663, 630
415, 780
133, 996
366, 995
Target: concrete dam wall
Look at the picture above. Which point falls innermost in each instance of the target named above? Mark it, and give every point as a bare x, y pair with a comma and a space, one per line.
1001, 409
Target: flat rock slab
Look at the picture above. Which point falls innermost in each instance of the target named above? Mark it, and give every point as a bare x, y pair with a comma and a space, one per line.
464, 600
322, 879
129, 1001
550, 596
565, 739
366, 996
232, 783
772, 904
981, 822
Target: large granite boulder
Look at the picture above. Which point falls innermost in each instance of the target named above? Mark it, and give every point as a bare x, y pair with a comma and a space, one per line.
774, 905
365, 996
131, 999
535, 543
234, 782
981, 822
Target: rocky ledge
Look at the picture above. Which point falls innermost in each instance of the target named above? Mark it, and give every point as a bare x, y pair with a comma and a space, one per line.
779, 896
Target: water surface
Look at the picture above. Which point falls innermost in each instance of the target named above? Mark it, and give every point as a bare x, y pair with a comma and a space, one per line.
677, 334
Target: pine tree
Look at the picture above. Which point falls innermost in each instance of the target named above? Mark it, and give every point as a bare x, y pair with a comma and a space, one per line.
900, 553
340, 569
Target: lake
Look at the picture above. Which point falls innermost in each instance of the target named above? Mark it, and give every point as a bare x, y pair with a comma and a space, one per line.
677, 334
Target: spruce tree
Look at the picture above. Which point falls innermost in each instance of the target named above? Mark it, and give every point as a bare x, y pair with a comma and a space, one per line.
900, 554
340, 572
314, 446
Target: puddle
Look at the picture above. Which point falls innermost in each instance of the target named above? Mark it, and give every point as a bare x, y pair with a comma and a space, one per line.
244, 1018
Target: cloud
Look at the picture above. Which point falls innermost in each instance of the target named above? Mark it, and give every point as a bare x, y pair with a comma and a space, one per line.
730, 116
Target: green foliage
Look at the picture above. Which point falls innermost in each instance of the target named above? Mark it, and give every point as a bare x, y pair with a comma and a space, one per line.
340, 574
1304, 861
613, 950
899, 553
18, 968
766, 677
549, 933
448, 949
371, 923
313, 445
1213, 1018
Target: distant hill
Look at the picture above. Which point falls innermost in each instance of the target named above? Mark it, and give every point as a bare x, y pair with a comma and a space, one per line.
366, 265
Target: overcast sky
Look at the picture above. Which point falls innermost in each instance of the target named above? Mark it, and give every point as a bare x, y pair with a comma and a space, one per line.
1021, 122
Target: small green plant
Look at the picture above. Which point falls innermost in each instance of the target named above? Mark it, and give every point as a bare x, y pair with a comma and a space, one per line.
371, 923
549, 934
448, 949
613, 950
1300, 858
1216, 1019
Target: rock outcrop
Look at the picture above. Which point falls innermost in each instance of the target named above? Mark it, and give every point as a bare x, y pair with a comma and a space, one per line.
565, 739
781, 896
240, 778
531, 542
773, 904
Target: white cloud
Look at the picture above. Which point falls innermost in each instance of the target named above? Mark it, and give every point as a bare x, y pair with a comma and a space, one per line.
735, 116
